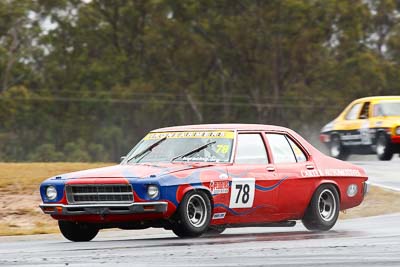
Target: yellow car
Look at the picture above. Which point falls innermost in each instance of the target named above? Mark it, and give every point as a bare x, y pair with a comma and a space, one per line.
367, 126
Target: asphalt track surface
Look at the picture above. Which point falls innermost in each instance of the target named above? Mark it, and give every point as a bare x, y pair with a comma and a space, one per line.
373, 241
383, 173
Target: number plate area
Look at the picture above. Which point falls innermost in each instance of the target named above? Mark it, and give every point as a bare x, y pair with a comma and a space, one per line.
242, 193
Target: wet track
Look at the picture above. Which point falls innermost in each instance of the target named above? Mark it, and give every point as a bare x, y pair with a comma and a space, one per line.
381, 173
366, 241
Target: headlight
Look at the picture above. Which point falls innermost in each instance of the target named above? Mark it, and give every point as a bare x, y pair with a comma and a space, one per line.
51, 192
152, 191
398, 130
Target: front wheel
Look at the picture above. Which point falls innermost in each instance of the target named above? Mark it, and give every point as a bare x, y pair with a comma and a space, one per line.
383, 148
77, 232
193, 215
323, 211
337, 150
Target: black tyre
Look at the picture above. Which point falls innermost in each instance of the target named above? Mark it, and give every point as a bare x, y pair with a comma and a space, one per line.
77, 232
337, 150
384, 149
323, 210
193, 215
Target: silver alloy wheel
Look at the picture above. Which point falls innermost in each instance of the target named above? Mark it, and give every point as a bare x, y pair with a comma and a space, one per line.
327, 205
196, 210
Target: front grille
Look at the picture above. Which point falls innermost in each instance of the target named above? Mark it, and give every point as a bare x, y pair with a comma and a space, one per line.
99, 193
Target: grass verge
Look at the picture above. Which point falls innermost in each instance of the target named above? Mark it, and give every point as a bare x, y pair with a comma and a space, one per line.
19, 195
378, 201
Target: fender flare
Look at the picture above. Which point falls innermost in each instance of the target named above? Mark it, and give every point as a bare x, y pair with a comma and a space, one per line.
189, 188
325, 181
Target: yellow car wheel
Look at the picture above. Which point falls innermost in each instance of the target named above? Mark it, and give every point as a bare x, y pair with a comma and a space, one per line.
337, 150
384, 150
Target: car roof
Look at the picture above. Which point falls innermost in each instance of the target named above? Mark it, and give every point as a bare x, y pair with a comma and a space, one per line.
241, 127
377, 98
224, 126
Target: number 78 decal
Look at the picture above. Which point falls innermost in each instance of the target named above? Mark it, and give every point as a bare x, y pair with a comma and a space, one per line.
242, 193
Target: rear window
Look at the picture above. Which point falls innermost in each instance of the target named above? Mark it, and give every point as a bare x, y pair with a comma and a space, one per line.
284, 150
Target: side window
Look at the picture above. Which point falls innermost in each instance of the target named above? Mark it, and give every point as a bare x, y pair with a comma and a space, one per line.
352, 114
251, 149
377, 110
280, 148
298, 153
364, 111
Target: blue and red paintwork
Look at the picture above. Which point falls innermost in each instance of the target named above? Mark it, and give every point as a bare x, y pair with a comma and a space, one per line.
281, 194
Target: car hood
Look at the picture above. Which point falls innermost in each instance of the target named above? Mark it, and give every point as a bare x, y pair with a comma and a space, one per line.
134, 171
328, 127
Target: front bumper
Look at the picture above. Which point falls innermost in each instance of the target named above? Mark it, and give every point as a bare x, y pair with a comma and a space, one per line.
395, 139
366, 187
104, 209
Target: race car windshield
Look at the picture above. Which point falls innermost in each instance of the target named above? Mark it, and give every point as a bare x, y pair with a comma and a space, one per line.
216, 146
387, 109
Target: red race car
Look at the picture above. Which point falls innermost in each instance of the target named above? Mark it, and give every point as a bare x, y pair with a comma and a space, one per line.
205, 178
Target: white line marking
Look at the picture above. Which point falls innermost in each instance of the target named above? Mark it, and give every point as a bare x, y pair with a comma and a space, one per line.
386, 187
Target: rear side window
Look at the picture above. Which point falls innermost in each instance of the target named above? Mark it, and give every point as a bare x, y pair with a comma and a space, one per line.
377, 110
285, 150
298, 153
251, 149
280, 149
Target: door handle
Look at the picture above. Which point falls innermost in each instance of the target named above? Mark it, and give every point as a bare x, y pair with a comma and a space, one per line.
270, 168
309, 166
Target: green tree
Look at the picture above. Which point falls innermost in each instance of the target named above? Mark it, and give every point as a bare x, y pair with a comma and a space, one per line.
90, 78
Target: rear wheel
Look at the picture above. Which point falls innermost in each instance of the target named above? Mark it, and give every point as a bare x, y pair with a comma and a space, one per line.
77, 232
193, 215
323, 211
384, 150
337, 150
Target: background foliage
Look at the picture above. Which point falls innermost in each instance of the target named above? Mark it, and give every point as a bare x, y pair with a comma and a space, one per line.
84, 80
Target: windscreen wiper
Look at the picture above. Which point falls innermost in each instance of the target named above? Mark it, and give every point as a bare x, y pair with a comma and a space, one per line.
149, 148
193, 151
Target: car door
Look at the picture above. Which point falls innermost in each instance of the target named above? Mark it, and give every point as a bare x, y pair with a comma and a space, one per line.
376, 122
366, 135
252, 198
292, 164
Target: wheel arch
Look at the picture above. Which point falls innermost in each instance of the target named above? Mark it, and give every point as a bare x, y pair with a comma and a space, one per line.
198, 188
380, 131
326, 182
333, 134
